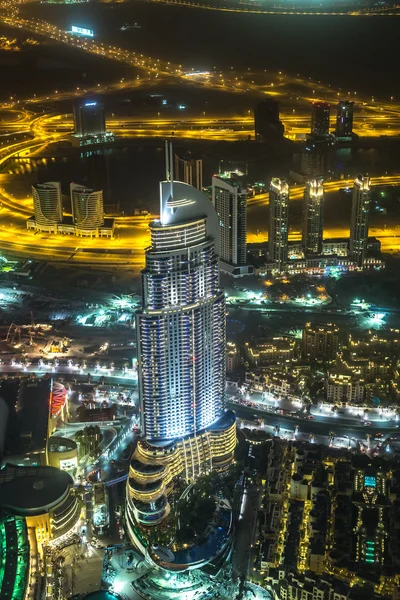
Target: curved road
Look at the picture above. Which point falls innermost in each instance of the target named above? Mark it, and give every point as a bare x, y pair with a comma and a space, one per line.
319, 425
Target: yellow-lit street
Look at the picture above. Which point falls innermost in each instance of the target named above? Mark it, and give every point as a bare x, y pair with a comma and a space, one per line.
24, 133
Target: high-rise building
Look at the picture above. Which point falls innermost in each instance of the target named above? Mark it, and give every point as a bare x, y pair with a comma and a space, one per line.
360, 207
47, 205
278, 223
344, 119
266, 121
89, 119
313, 218
87, 207
320, 340
189, 170
315, 157
87, 211
320, 113
229, 197
181, 349
90, 125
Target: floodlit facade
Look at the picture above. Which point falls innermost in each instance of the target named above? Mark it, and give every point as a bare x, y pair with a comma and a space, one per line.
87, 211
320, 341
47, 205
278, 223
344, 388
229, 197
313, 219
181, 358
87, 208
360, 207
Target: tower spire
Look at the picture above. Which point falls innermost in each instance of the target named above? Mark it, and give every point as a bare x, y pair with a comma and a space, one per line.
171, 171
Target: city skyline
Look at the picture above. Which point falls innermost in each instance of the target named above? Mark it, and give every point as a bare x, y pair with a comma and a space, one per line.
200, 349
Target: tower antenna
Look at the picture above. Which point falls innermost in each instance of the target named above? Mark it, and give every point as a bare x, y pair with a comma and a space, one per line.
167, 173
171, 170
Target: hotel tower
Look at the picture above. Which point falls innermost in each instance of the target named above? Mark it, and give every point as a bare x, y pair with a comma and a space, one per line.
185, 430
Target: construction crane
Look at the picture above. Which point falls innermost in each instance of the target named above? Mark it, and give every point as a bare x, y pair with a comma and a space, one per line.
13, 331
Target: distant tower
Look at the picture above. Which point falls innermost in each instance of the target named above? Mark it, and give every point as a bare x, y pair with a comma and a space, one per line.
229, 197
313, 220
47, 205
87, 207
360, 207
89, 119
278, 223
315, 157
189, 170
320, 113
344, 119
266, 121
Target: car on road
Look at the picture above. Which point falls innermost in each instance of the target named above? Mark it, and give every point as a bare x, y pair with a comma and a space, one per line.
367, 423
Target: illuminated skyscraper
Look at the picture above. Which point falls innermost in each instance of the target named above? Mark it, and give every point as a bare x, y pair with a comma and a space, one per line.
189, 170
89, 119
344, 119
313, 218
320, 113
181, 351
87, 207
360, 208
278, 223
229, 198
47, 205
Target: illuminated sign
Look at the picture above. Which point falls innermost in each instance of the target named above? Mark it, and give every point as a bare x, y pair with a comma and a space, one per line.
369, 481
68, 464
90, 103
82, 31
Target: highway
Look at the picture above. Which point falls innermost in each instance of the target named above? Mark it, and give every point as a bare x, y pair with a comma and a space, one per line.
277, 10
228, 128
34, 132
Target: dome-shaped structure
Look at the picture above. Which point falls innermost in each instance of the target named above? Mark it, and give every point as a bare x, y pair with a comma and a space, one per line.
101, 595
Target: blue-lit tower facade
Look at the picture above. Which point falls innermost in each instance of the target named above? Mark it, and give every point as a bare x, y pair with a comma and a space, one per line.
181, 358
181, 332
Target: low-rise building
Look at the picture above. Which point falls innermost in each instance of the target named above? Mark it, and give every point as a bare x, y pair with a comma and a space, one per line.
44, 496
369, 368
342, 388
270, 351
286, 585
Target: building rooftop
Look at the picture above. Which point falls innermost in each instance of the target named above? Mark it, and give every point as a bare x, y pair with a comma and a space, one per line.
101, 595
32, 490
181, 203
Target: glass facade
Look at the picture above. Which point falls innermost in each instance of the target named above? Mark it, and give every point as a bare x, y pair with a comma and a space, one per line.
181, 359
181, 333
